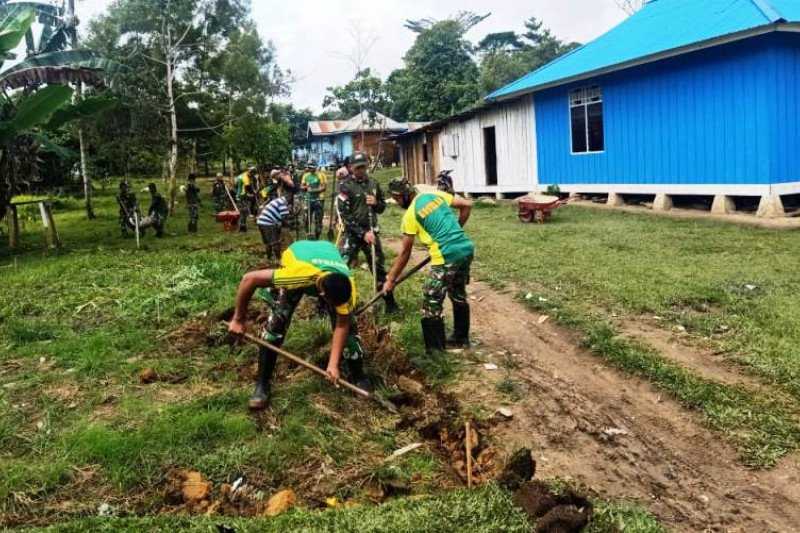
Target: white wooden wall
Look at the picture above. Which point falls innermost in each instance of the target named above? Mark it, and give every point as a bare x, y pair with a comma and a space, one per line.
515, 130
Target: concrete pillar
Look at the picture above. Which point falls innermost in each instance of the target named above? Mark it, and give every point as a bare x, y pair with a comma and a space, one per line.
469, 195
615, 200
723, 205
498, 196
771, 206
574, 196
663, 202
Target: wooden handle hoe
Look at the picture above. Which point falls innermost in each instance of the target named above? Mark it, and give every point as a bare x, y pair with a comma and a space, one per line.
305, 364
400, 280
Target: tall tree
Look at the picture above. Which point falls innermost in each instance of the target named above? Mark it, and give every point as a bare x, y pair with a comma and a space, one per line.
440, 76
200, 64
366, 92
506, 56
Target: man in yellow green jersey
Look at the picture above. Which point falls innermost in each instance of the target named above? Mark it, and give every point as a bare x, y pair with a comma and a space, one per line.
313, 268
314, 183
431, 217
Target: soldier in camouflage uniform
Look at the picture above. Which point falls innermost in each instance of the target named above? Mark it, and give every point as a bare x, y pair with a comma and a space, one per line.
313, 268
128, 206
220, 195
359, 203
430, 216
193, 202
158, 212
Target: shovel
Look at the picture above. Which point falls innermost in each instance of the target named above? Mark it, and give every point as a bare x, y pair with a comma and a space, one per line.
302, 362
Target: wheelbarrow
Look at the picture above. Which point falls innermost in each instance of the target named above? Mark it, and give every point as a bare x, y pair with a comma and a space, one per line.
230, 219
538, 207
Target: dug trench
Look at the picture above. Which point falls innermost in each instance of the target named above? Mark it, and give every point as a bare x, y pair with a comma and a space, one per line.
434, 415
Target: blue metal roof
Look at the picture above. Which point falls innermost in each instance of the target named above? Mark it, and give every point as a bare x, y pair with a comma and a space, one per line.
661, 26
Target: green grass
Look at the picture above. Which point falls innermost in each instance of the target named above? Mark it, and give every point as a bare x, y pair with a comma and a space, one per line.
77, 326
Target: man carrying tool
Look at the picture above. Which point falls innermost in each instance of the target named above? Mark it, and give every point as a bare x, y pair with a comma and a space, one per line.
360, 201
220, 194
314, 183
193, 202
430, 216
313, 268
158, 212
128, 208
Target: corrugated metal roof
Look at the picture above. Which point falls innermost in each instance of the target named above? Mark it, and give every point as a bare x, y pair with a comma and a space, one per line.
325, 127
661, 26
358, 123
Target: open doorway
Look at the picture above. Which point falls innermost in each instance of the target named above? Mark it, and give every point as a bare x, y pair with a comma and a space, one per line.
490, 155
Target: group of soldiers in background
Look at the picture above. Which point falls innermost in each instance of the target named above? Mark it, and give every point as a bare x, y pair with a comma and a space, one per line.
130, 216
285, 199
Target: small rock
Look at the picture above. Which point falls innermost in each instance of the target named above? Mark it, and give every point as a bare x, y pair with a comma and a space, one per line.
704, 499
194, 488
42, 360
505, 412
147, 376
543, 319
490, 366
615, 432
751, 287
281, 502
105, 510
410, 386
529, 296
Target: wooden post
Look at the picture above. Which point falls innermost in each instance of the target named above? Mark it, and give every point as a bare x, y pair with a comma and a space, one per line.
49, 222
468, 446
13, 227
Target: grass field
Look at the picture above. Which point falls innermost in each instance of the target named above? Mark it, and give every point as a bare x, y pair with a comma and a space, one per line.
78, 429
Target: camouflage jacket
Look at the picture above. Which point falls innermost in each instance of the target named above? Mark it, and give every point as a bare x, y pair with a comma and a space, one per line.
352, 204
192, 194
158, 206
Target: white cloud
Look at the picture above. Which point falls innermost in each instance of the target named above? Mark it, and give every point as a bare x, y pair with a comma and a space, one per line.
311, 36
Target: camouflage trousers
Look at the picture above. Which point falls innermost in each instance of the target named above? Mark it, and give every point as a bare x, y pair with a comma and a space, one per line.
194, 215
125, 223
353, 244
244, 212
283, 303
314, 217
445, 280
221, 203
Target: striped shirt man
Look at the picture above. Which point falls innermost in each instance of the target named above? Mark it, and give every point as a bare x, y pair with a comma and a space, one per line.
274, 213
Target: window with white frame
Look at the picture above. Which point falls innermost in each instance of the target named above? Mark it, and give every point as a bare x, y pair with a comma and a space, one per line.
586, 120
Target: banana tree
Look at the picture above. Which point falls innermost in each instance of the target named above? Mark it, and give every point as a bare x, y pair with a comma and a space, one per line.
41, 78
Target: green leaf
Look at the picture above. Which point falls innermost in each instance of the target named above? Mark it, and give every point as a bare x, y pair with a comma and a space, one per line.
35, 109
85, 108
67, 66
47, 145
14, 27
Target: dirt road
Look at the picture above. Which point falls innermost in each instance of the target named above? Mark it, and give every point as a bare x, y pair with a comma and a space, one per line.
617, 434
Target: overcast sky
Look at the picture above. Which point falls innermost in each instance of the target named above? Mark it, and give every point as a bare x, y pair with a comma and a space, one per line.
311, 36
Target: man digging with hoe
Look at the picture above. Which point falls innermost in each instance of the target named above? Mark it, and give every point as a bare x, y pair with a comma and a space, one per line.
313, 268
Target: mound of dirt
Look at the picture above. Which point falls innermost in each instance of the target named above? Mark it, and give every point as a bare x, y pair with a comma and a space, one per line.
567, 512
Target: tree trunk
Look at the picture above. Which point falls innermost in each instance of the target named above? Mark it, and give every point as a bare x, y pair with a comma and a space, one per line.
193, 164
173, 119
87, 181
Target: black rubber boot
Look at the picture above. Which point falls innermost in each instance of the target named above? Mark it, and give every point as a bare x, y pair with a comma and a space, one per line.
356, 375
266, 367
460, 337
433, 334
391, 304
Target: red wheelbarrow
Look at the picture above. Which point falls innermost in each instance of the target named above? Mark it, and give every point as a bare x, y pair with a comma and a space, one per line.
538, 207
229, 218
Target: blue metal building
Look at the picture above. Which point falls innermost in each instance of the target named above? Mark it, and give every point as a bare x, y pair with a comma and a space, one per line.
686, 97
